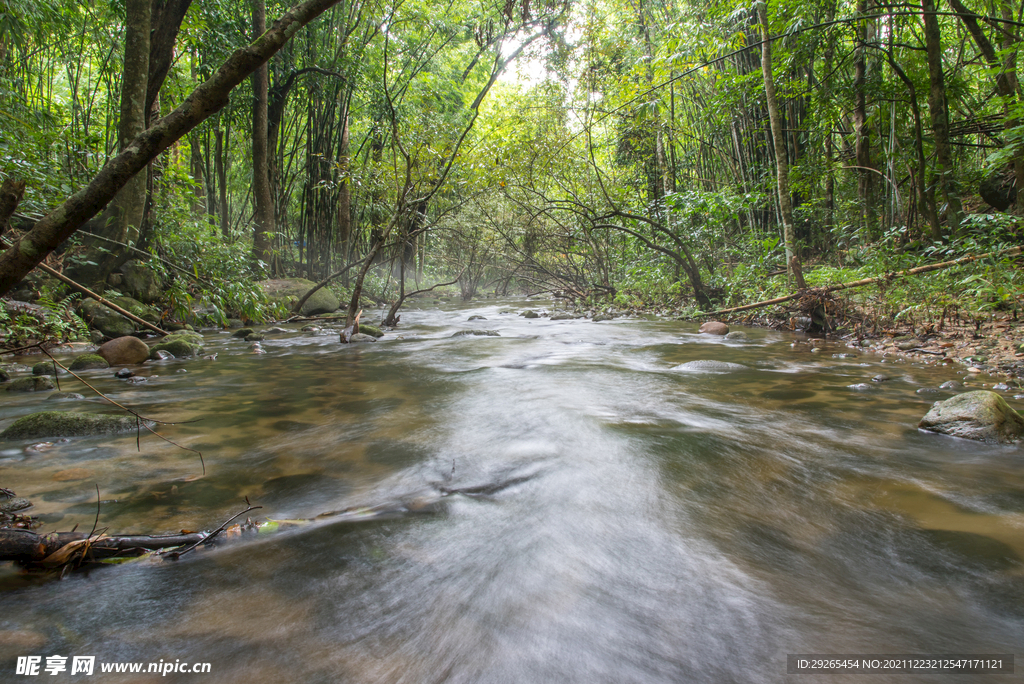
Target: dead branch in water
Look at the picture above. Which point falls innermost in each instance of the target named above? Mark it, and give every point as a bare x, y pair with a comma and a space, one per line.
178, 554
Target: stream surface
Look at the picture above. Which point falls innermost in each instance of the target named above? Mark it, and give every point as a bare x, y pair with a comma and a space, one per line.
593, 514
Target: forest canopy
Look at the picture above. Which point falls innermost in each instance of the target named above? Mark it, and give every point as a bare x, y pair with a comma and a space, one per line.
670, 153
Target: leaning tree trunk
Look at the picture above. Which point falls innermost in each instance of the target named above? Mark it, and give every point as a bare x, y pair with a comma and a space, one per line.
204, 101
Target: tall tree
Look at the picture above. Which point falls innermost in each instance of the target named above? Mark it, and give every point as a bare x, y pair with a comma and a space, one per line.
779, 143
939, 113
261, 191
62, 222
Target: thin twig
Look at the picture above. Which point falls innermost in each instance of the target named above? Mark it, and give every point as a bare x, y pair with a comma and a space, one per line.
140, 420
209, 537
96, 522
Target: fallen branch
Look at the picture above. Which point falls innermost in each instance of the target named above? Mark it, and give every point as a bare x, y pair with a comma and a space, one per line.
392, 321
25, 546
208, 538
1012, 251
89, 293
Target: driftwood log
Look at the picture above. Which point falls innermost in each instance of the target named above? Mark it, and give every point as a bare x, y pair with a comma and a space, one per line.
25, 546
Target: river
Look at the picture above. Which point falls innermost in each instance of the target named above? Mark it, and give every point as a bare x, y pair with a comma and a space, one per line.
567, 507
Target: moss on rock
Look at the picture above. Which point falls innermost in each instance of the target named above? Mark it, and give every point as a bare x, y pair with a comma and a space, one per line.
88, 362
181, 344
37, 383
66, 424
980, 415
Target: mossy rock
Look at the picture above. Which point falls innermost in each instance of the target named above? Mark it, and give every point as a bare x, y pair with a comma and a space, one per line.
243, 332
255, 337
4, 377
181, 344
38, 383
44, 368
107, 321
288, 291
66, 424
147, 313
371, 330
141, 282
979, 415
88, 362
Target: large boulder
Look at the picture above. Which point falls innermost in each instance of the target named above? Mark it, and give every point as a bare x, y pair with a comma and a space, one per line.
65, 424
288, 291
182, 344
980, 415
141, 282
714, 328
107, 321
124, 351
113, 324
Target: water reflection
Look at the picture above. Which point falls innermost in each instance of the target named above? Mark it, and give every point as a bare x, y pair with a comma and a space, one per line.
599, 516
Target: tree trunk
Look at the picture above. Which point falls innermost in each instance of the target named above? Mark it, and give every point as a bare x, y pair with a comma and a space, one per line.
779, 143
344, 192
204, 101
131, 200
1006, 77
220, 166
862, 136
925, 199
944, 178
262, 194
196, 162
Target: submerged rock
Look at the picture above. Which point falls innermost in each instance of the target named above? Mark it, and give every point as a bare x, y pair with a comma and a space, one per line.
480, 318
709, 366
530, 313
362, 337
979, 415
69, 396
487, 333
124, 351
737, 336
714, 328
88, 362
65, 424
38, 383
181, 344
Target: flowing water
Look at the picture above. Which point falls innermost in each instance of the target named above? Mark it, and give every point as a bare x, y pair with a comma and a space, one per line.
565, 506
